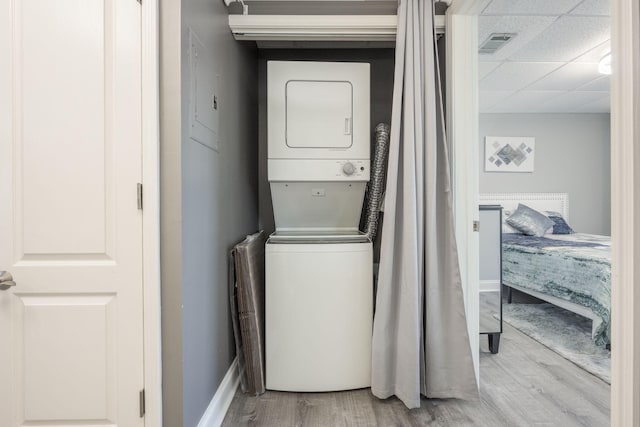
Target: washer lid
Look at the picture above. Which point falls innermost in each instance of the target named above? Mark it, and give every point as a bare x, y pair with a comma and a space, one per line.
318, 237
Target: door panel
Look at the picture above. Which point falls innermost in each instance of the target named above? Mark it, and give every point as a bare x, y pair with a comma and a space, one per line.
70, 151
60, 107
68, 340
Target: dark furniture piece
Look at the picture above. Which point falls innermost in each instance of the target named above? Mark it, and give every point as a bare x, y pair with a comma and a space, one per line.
491, 274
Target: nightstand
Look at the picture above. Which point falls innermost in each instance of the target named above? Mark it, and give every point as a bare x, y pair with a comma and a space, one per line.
491, 274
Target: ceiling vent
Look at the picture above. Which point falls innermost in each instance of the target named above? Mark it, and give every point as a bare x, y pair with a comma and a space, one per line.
495, 42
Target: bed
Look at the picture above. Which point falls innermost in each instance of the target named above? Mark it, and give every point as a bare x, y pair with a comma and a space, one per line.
572, 271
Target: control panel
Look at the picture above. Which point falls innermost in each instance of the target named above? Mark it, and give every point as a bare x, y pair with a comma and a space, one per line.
352, 168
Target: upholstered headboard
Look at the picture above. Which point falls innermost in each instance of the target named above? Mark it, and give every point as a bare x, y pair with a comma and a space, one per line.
557, 202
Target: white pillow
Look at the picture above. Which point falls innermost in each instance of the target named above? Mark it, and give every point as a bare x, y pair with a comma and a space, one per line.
529, 221
506, 228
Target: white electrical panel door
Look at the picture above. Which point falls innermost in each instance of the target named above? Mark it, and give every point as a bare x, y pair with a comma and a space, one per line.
319, 114
204, 112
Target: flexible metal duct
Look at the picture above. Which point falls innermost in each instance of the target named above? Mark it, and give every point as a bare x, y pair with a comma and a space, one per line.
375, 190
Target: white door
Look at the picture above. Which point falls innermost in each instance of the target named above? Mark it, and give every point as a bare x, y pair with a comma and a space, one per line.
70, 229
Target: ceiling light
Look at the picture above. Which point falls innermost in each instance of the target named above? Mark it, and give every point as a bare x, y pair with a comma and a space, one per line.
604, 66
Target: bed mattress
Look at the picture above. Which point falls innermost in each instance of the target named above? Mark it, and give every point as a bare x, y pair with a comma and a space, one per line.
572, 267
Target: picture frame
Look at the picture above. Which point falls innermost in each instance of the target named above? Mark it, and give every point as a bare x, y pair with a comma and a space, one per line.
509, 154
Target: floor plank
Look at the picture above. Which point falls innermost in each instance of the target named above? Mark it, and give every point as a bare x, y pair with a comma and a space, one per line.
525, 384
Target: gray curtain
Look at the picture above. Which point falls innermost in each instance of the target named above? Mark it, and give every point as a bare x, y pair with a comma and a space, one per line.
420, 338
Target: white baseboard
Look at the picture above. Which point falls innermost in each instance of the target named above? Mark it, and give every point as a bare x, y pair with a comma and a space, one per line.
489, 285
217, 409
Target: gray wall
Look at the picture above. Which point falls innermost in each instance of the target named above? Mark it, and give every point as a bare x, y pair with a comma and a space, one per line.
211, 204
382, 64
572, 156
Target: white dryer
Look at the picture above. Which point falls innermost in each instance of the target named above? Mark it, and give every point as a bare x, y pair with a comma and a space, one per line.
319, 280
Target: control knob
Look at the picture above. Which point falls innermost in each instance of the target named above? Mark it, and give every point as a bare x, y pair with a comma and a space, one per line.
348, 168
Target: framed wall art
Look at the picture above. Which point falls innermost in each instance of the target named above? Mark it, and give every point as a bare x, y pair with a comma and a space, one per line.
509, 153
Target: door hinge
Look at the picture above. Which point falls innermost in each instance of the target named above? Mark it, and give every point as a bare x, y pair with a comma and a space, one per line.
139, 196
476, 225
142, 403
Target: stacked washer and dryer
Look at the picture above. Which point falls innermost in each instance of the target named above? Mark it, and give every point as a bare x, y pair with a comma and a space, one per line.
318, 265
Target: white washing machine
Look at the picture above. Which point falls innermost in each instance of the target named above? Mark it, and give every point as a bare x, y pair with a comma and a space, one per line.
319, 279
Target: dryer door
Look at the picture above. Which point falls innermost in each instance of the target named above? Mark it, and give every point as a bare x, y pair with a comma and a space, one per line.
318, 110
319, 114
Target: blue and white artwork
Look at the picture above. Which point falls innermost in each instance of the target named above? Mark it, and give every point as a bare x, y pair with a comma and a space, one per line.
509, 153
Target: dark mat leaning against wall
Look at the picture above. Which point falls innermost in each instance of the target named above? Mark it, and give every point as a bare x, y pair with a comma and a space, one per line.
246, 294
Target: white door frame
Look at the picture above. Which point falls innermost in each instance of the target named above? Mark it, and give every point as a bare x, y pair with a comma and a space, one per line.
151, 213
625, 213
462, 100
462, 133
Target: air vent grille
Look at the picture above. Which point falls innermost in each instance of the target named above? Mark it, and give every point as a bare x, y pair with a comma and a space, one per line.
494, 42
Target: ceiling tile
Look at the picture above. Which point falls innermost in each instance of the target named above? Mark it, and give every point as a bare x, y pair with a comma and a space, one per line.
485, 68
566, 39
594, 54
534, 7
527, 28
593, 8
602, 84
571, 102
489, 99
524, 102
601, 105
516, 75
568, 77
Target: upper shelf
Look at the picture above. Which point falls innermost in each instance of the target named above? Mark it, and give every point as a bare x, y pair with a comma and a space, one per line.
318, 27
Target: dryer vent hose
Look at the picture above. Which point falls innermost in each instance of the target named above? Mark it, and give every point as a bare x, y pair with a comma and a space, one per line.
375, 190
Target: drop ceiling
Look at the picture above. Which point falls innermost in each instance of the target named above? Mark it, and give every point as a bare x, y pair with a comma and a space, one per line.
551, 66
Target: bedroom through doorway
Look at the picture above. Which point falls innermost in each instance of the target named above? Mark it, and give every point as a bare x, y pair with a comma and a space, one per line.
545, 153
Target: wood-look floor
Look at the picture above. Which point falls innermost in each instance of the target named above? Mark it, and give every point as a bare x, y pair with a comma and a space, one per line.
525, 384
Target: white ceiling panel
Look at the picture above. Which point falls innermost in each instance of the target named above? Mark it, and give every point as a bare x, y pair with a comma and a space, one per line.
592, 8
601, 105
524, 102
489, 99
527, 28
596, 53
568, 77
516, 75
526, 7
571, 102
485, 68
566, 39
603, 84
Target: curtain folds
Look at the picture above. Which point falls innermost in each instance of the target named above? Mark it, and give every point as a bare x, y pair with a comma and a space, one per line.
420, 338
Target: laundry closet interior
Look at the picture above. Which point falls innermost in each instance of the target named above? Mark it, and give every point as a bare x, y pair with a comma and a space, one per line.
214, 176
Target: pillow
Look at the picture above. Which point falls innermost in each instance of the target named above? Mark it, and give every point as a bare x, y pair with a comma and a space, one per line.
506, 228
529, 221
560, 226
